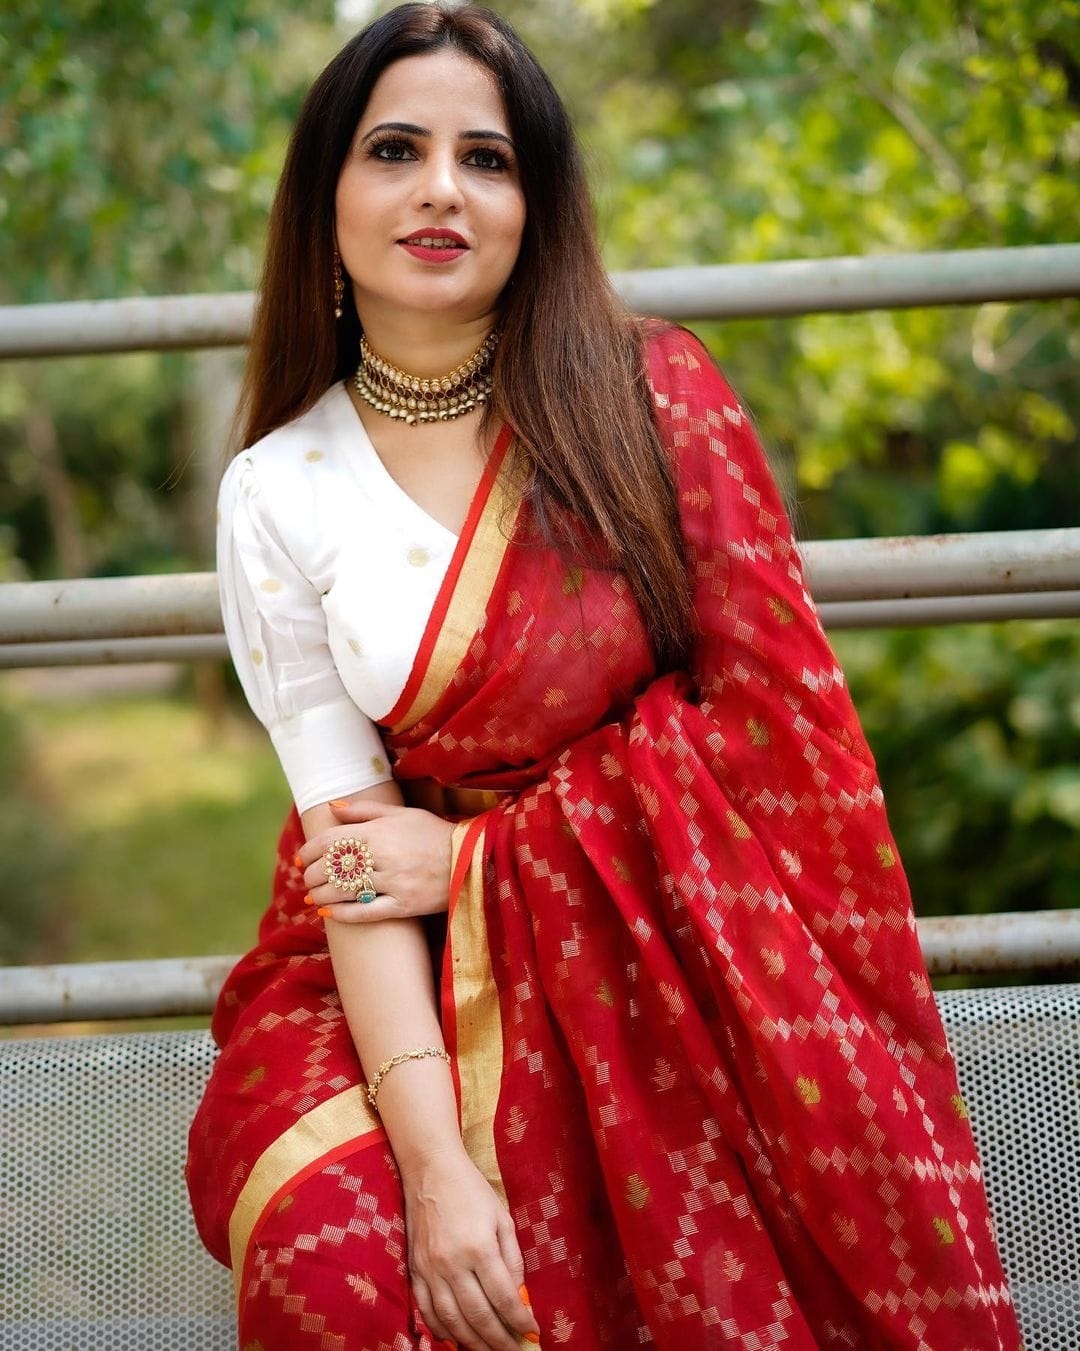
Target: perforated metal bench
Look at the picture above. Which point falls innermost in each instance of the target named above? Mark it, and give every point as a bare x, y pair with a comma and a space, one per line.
98, 1252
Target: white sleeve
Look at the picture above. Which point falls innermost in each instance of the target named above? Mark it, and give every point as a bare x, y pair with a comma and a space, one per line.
276, 628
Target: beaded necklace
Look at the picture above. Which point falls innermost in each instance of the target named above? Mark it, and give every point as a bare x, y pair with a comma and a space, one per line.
414, 398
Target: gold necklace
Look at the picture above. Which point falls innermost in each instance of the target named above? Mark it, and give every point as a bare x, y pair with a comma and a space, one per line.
414, 398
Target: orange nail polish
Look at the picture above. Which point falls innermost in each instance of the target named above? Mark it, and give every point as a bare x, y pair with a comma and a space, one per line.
323, 911
297, 861
532, 1336
523, 1295
339, 802
309, 899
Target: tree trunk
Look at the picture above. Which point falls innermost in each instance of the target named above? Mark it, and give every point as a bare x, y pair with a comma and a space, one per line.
69, 542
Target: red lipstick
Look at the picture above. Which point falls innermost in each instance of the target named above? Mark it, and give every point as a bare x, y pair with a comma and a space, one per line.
435, 245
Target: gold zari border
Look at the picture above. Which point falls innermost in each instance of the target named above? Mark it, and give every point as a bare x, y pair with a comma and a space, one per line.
340, 1120
484, 558
478, 1015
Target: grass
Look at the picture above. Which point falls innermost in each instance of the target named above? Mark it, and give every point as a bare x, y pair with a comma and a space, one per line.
168, 823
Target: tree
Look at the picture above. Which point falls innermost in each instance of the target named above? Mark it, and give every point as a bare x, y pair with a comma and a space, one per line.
138, 152
139, 149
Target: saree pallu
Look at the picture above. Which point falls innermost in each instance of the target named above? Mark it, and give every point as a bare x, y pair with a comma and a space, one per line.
695, 1046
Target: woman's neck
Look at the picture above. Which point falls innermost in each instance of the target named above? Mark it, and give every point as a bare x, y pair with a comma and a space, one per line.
425, 348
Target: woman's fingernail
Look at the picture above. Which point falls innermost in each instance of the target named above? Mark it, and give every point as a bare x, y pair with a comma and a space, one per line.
339, 802
297, 861
309, 899
323, 911
523, 1295
532, 1336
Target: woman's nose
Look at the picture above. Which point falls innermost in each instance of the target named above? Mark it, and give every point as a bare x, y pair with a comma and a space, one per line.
440, 182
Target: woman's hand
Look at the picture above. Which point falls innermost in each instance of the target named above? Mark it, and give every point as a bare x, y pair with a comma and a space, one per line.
411, 850
465, 1264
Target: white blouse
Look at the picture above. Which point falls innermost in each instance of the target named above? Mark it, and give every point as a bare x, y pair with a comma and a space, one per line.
328, 572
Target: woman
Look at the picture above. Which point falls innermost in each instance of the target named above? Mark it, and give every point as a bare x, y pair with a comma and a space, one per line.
673, 1059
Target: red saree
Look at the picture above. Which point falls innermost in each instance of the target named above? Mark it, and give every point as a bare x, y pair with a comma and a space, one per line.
693, 1037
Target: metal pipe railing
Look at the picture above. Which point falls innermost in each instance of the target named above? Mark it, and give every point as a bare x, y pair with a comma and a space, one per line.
730, 291
911, 612
956, 571
857, 583
175, 987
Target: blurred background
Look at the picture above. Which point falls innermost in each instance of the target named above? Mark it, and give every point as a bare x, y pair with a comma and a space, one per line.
139, 149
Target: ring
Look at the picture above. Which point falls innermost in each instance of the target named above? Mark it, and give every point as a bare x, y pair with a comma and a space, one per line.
349, 867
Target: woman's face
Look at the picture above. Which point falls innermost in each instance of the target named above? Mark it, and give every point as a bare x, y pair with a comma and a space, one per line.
429, 206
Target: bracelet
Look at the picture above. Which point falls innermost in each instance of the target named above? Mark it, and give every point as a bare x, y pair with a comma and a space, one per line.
420, 1053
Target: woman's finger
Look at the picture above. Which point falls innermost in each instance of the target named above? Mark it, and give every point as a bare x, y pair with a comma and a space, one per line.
450, 1315
510, 1249
356, 912
363, 808
315, 879
311, 859
515, 1265
479, 1312
312, 851
502, 1288
422, 1295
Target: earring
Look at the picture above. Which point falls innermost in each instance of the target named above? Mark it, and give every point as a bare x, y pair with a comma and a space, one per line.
339, 285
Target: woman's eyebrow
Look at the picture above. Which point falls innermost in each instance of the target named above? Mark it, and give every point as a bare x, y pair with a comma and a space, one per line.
407, 127
486, 136
411, 129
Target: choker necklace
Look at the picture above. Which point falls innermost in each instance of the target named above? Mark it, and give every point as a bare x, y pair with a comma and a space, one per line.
414, 398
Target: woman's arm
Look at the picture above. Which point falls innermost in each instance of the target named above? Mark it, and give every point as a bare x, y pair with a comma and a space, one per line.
463, 1255
465, 1263
384, 977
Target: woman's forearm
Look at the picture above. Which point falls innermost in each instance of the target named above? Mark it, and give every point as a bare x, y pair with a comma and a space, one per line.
384, 977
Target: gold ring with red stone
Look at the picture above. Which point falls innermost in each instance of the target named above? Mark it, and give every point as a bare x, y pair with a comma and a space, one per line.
350, 867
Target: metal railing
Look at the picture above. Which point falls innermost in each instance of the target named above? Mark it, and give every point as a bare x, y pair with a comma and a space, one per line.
188, 986
731, 291
857, 583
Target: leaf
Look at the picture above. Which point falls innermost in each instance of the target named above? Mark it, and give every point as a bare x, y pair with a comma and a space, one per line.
759, 732
663, 1075
637, 1192
846, 1231
809, 1090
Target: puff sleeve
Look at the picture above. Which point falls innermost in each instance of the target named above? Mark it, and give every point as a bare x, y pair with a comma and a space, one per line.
277, 634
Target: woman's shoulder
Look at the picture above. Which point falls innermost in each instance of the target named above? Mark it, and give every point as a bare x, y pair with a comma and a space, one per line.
310, 438
294, 482
682, 370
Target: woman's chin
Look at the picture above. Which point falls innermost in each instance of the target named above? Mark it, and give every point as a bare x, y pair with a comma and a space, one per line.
436, 301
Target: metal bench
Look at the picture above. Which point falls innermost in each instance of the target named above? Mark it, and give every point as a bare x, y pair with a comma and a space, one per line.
98, 1251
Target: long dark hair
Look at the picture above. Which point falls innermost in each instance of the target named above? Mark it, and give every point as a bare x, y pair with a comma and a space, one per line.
569, 375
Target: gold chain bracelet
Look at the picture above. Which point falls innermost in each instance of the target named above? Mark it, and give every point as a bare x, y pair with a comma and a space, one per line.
420, 1053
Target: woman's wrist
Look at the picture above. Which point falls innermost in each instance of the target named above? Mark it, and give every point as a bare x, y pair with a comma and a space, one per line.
402, 1057
433, 1159
418, 1109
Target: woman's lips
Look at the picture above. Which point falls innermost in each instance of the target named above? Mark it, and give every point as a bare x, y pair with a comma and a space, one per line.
438, 247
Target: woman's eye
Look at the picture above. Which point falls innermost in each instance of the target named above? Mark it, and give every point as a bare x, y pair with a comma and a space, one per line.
392, 150
483, 158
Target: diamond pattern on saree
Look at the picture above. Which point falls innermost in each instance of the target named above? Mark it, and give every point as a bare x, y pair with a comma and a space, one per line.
339, 1281
701, 927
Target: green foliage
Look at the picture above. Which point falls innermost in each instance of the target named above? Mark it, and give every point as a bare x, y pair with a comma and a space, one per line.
35, 851
141, 142
138, 153
748, 132
976, 732
169, 823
